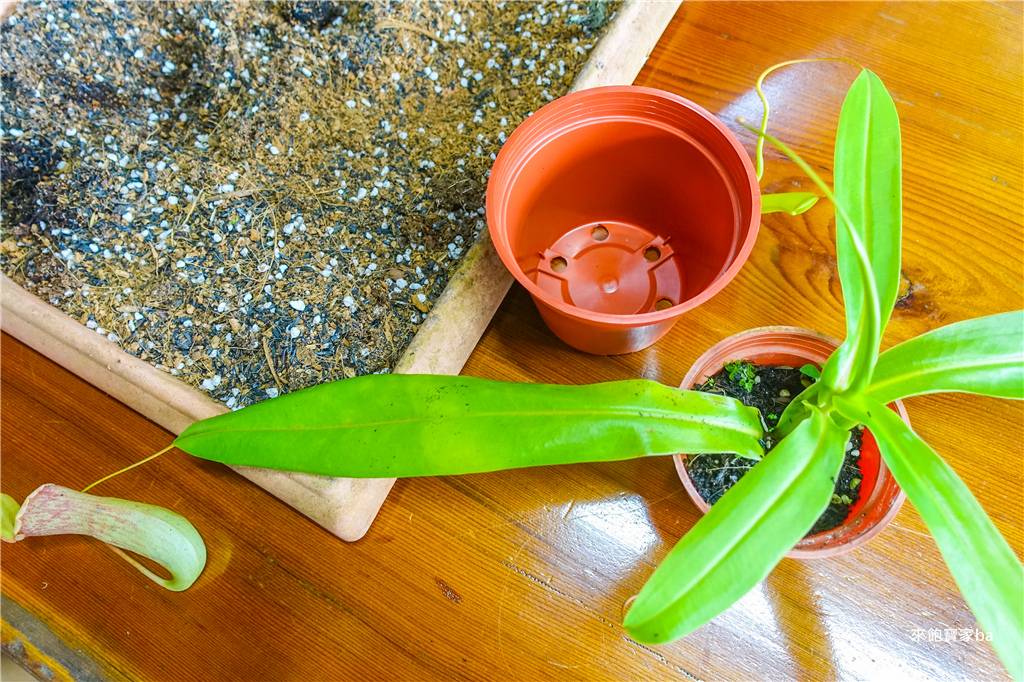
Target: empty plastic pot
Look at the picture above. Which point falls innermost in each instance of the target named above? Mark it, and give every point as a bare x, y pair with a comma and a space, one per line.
619, 209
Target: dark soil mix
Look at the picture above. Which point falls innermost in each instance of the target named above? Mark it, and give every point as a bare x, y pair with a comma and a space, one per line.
261, 196
769, 389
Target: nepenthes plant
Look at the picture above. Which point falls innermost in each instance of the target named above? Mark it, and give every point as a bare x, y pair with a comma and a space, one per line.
387, 426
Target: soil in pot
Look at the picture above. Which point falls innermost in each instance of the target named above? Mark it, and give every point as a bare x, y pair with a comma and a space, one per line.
770, 389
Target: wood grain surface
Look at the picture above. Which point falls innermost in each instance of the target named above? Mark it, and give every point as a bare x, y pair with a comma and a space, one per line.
523, 575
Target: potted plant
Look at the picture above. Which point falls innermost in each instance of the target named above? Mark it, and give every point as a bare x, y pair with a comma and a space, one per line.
768, 511
767, 368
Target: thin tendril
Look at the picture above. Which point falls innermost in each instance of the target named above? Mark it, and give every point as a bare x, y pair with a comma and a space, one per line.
116, 473
764, 100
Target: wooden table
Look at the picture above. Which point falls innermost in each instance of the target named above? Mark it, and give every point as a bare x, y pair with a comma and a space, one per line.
523, 575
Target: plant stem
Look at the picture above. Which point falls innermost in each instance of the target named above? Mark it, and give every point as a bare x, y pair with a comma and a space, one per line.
132, 466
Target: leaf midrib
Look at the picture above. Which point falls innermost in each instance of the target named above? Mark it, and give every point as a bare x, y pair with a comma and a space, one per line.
708, 421
896, 379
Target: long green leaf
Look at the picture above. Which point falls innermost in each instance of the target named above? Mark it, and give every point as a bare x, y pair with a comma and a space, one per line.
850, 366
982, 563
154, 532
743, 536
868, 181
868, 227
422, 425
984, 355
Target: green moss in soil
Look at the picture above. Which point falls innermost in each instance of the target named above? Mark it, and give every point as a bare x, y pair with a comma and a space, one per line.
262, 196
769, 389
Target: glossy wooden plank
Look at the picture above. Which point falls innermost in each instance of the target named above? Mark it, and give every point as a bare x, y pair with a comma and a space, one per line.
524, 575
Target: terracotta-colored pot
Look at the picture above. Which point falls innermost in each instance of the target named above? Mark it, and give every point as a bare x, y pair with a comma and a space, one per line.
880, 496
619, 209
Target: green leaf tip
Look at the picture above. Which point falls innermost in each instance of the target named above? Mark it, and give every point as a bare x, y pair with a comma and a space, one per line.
150, 531
790, 203
743, 536
811, 370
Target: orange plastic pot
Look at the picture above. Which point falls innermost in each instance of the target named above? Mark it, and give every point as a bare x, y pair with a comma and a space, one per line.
880, 496
619, 209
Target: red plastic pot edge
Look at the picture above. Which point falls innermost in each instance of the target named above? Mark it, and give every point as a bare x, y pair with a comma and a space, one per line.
817, 347
502, 246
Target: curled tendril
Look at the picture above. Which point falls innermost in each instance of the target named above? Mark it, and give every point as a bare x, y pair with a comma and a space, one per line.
764, 100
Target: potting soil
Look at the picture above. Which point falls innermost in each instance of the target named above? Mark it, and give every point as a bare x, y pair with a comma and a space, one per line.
261, 196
